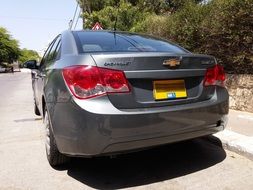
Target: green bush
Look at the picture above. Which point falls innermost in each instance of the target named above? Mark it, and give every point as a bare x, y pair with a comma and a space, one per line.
223, 28
228, 34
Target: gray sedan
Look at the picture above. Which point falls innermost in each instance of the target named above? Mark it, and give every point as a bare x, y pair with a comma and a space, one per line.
107, 92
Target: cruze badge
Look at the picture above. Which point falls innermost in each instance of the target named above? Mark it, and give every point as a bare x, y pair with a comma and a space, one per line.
172, 62
117, 63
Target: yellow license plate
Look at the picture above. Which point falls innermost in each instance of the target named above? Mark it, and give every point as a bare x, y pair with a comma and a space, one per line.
169, 89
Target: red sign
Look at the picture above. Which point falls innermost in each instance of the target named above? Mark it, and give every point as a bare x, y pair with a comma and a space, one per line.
97, 26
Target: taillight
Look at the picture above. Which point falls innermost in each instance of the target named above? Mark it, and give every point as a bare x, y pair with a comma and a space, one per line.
214, 76
114, 81
90, 81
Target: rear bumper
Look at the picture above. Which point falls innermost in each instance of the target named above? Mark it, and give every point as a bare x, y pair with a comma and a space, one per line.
95, 127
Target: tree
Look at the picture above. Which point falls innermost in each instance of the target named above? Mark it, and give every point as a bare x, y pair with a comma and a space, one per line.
127, 16
130, 13
179, 4
26, 55
95, 5
222, 28
9, 48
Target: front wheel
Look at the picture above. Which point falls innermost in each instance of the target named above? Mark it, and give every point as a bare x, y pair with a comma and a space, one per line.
54, 157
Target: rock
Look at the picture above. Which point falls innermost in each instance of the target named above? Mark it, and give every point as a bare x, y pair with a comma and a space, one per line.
240, 88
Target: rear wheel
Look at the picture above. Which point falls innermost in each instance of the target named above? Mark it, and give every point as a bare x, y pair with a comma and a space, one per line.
55, 158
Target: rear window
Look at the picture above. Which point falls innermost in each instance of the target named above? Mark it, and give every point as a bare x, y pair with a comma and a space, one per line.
122, 42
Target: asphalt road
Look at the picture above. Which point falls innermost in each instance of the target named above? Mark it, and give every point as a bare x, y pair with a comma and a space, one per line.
196, 164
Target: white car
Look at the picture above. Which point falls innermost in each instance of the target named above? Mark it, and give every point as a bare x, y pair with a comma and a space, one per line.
2, 69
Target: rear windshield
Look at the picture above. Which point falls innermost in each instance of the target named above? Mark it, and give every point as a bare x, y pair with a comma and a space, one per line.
89, 41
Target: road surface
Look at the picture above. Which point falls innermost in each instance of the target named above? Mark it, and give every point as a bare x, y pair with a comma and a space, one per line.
196, 164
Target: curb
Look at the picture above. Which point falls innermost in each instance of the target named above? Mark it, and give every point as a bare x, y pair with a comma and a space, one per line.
235, 142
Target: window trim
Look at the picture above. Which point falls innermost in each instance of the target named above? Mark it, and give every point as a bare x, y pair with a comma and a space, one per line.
122, 35
49, 49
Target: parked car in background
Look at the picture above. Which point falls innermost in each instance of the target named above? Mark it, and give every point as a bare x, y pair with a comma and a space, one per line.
6, 68
108, 92
2, 69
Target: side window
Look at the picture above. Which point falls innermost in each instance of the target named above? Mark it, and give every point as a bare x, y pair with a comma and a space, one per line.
51, 53
42, 63
58, 51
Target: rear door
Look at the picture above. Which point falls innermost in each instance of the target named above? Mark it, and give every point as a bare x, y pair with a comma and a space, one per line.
48, 59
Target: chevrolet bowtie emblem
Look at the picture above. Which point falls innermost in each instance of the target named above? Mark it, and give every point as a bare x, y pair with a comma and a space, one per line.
172, 62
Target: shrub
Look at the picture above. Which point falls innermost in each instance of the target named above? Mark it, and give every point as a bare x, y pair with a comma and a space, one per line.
228, 34
223, 28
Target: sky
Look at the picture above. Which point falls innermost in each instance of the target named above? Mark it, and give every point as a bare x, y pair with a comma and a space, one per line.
35, 23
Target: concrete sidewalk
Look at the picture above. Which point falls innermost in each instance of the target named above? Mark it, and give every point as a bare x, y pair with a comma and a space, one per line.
238, 135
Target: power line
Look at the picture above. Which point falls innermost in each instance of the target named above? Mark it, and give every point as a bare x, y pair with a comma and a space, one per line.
74, 16
33, 18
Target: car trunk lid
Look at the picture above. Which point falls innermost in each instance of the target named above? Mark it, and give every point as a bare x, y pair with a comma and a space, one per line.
150, 73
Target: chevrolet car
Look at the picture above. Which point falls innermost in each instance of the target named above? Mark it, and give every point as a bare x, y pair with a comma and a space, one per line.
109, 92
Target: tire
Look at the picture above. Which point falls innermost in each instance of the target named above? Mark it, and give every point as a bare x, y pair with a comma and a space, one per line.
54, 157
36, 110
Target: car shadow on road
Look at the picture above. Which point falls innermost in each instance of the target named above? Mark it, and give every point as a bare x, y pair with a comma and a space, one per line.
149, 166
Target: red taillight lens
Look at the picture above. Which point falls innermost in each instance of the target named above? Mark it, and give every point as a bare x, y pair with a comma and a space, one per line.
114, 81
215, 76
89, 81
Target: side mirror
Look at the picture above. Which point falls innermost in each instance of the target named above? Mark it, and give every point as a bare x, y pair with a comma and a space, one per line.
31, 64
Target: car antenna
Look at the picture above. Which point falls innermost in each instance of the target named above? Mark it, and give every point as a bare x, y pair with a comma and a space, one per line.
115, 24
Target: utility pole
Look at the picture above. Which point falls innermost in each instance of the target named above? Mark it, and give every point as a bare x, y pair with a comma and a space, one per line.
83, 11
85, 7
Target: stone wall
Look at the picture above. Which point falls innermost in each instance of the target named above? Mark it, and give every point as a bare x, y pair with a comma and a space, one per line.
240, 89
